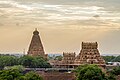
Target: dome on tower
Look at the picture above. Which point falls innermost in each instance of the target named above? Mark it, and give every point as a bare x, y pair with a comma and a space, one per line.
36, 32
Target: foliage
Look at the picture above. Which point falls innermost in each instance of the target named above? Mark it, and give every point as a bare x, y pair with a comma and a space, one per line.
111, 77
14, 74
26, 61
49, 57
108, 58
90, 72
6, 60
117, 59
33, 76
55, 57
59, 58
11, 74
34, 62
115, 71
111, 58
16, 67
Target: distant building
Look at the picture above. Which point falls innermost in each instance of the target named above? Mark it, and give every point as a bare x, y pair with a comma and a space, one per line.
114, 63
89, 54
68, 58
36, 47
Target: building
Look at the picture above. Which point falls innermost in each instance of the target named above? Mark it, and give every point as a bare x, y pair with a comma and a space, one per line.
89, 54
68, 58
36, 47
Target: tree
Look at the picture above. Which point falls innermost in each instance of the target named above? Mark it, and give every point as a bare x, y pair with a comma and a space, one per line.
7, 60
11, 74
115, 71
117, 59
16, 67
26, 61
15, 74
108, 58
111, 77
33, 76
34, 62
59, 58
111, 58
90, 72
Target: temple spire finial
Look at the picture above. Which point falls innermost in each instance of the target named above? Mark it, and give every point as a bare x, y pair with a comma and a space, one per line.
35, 29
35, 32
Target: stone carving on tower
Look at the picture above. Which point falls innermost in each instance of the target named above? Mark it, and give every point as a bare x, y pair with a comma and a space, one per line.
89, 54
68, 58
36, 47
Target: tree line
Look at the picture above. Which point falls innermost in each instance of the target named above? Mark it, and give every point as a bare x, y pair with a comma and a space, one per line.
26, 61
111, 58
15, 74
93, 72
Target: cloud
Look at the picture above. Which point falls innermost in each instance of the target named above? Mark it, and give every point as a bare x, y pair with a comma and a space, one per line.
58, 21
14, 4
1, 24
45, 13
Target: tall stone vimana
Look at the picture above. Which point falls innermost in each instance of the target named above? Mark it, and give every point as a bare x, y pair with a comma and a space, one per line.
36, 47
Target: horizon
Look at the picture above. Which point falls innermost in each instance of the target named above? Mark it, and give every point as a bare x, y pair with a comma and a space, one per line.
15, 53
63, 25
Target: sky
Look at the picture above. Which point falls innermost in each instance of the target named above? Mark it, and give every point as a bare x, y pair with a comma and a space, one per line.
63, 24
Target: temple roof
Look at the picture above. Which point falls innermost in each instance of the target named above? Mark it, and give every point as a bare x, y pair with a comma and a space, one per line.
36, 32
36, 47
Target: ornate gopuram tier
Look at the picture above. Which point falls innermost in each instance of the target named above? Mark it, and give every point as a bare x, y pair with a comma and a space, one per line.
36, 47
68, 60
89, 54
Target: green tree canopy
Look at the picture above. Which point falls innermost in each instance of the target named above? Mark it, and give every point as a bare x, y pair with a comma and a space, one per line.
16, 67
7, 60
90, 72
15, 74
108, 58
111, 58
116, 59
33, 76
34, 62
11, 74
115, 71
26, 61
58, 58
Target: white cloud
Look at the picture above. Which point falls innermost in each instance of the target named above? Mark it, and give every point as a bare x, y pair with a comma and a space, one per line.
57, 14
15, 4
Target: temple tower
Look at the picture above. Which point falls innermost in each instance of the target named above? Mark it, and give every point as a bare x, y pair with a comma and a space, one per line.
36, 47
89, 54
68, 58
